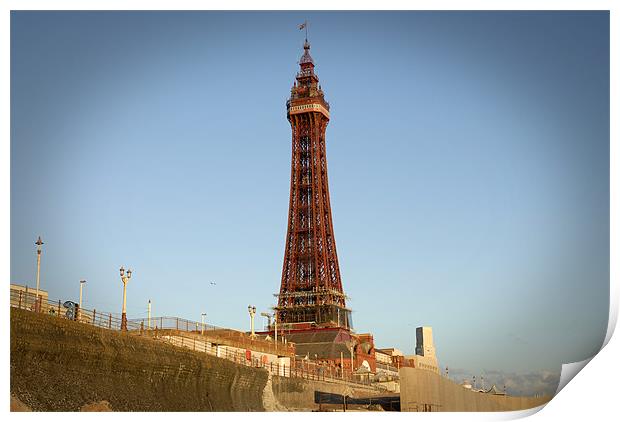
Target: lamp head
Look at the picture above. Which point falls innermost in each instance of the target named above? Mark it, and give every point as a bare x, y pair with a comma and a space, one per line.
128, 273
82, 281
122, 271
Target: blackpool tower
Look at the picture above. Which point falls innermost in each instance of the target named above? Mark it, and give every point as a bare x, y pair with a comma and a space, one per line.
311, 292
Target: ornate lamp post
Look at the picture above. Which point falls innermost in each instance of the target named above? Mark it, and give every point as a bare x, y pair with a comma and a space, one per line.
125, 280
351, 344
202, 329
275, 327
252, 312
39, 243
352, 363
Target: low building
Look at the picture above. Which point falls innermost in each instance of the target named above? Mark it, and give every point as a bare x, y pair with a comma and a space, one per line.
396, 359
425, 357
365, 352
336, 349
382, 357
424, 362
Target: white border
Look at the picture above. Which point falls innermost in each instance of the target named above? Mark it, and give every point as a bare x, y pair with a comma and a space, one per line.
582, 398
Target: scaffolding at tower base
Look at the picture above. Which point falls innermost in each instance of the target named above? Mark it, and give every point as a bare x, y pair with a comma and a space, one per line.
313, 315
313, 293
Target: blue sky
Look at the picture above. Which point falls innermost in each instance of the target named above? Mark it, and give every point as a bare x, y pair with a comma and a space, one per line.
468, 165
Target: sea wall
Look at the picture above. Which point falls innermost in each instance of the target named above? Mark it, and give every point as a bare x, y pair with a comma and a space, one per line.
61, 365
422, 390
298, 394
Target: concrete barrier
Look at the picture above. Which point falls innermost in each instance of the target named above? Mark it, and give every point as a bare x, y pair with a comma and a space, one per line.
422, 390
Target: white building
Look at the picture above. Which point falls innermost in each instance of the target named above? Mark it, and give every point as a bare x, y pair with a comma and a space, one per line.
425, 357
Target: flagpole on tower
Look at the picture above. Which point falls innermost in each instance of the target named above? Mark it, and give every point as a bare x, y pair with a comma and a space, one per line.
304, 26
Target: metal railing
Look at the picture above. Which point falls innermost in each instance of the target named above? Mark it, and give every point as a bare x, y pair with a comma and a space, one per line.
387, 368
173, 323
215, 334
28, 301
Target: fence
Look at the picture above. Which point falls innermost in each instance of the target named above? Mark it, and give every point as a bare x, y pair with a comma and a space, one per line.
174, 323
202, 338
27, 301
239, 338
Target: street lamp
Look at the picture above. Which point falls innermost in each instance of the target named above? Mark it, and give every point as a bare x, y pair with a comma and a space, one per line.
149, 314
350, 344
125, 280
352, 363
252, 312
275, 324
39, 242
82, 282
275, 327
202, 329
268, 316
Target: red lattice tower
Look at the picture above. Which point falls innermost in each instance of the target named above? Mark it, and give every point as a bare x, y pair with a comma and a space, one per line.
311, 289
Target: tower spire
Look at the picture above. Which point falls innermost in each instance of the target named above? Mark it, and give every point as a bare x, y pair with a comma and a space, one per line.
306, 58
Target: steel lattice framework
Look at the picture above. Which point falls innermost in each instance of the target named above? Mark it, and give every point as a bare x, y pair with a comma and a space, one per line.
311, 288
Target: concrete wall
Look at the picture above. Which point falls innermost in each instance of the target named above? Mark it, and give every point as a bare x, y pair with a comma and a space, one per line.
422, 390
60, 365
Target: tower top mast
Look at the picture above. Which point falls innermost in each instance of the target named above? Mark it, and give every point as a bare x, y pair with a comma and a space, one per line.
304, 26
